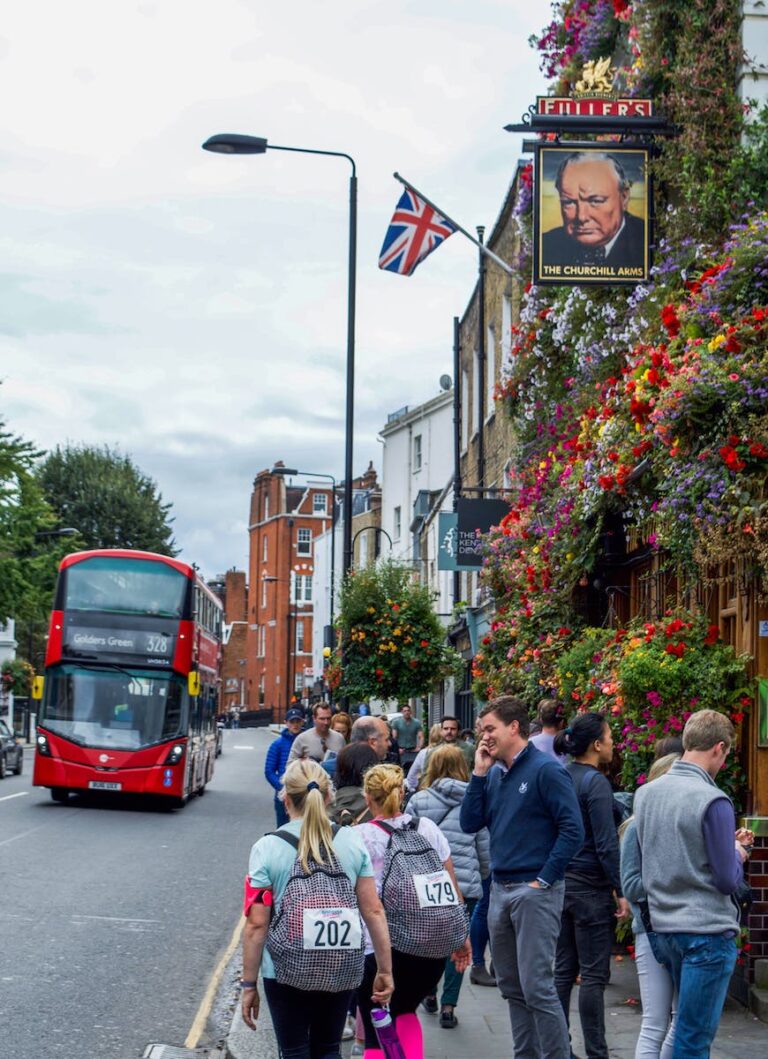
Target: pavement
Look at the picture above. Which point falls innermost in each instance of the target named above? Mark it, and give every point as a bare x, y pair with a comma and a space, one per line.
483, 1031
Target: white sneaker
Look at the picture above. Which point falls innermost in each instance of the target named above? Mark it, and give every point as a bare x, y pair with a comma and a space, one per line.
349, 1029
358, 1048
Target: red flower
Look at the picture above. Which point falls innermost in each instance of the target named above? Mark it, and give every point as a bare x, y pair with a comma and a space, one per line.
713, 635
674, 627
731, 458
606, 481
676, 649
425, 643
670, 320
756, 449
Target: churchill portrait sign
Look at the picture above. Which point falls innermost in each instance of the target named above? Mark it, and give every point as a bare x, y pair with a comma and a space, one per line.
591, 215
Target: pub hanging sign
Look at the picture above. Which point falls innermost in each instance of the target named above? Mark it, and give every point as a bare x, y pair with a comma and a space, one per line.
593, 204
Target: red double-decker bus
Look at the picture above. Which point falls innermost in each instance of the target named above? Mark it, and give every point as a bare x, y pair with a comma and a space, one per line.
132, 673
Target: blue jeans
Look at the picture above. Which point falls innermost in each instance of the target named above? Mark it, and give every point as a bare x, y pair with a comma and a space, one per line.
280, 814
452, 978
701, 966
478, 926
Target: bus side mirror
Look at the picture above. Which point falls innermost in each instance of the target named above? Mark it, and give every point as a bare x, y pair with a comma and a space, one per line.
37, 688
193, 684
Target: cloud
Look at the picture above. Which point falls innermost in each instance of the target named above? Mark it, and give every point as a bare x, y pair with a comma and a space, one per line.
191, 308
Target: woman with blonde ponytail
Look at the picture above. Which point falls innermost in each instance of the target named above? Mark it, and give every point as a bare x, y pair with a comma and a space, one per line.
415, 976
308, 1023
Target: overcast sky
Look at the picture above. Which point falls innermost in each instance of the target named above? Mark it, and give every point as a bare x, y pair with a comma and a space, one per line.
190, 308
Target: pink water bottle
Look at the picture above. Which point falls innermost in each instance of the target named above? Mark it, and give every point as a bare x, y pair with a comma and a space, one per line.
387, 1034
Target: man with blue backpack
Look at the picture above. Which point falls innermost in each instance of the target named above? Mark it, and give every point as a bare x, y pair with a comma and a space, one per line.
277, 758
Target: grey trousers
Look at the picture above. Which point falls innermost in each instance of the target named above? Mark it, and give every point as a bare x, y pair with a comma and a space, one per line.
524, 924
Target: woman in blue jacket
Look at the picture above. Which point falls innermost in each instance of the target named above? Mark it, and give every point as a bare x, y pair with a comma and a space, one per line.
277, 758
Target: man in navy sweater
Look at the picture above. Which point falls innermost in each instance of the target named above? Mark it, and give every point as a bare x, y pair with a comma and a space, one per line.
527, 802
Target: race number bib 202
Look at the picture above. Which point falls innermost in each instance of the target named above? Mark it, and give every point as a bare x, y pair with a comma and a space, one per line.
332, 928
435, 890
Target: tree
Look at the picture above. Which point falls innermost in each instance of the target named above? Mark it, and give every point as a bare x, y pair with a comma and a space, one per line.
27, 571
105, 496
392, 643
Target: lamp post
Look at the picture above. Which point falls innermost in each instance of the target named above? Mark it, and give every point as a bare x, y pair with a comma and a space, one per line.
237, 143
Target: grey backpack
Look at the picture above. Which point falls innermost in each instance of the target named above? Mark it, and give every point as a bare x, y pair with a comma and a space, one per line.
316, 938
425, 914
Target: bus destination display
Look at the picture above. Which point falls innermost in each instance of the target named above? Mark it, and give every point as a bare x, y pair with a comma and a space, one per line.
152, 647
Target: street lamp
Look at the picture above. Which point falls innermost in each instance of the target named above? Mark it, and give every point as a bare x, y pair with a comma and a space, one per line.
237, 143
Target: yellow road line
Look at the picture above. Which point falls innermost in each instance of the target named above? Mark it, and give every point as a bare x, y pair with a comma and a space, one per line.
198, 1026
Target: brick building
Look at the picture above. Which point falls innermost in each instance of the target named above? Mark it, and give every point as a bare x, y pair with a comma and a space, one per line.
232, 590
284, 521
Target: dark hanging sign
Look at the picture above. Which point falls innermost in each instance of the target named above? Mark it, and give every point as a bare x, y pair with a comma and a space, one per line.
475, 518
592, 214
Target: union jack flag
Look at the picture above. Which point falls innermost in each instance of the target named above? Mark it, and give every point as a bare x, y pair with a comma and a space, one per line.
415, 230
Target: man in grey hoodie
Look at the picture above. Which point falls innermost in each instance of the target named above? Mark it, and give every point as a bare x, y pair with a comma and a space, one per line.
692, 859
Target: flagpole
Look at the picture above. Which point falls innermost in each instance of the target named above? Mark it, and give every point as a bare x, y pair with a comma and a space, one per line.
484, 249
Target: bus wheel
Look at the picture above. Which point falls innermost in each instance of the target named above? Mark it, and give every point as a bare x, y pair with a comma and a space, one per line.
201, 791
179, 803
60, 794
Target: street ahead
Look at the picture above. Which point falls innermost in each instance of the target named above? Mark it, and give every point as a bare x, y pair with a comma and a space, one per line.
114, 916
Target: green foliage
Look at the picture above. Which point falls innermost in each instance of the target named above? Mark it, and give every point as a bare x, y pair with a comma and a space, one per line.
649, 678
105, 496
27, 566
16, 676
392, 643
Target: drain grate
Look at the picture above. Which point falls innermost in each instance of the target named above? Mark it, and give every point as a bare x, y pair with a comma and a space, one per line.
170, 1051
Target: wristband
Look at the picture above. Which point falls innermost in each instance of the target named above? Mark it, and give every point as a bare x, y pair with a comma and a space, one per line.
247, 985
747, 849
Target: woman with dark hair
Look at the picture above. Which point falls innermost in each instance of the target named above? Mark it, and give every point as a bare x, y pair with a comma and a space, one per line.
592, 881
349, 805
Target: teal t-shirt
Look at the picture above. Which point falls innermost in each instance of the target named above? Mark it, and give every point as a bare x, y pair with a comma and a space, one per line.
407, 731
272, 859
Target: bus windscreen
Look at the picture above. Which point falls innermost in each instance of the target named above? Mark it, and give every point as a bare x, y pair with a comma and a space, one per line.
121, 709
119, 586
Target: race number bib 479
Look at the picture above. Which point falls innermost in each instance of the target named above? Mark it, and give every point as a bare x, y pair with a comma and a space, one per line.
332, 928
435, 890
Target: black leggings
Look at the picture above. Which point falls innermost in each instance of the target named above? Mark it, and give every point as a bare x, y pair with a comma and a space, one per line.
415, 977
308, 1024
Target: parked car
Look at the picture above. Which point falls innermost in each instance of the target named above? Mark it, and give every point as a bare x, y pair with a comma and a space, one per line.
11, 752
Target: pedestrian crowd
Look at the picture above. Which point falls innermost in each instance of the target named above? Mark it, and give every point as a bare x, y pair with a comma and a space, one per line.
397, 865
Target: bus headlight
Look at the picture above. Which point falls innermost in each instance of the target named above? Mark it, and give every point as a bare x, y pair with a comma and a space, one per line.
175, 754
43, 746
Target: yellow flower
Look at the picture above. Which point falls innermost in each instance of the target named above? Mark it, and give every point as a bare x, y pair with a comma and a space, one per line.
569, 557
716, 342
397, 632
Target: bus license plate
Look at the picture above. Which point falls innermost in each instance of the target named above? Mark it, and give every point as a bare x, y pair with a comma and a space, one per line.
102, 785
